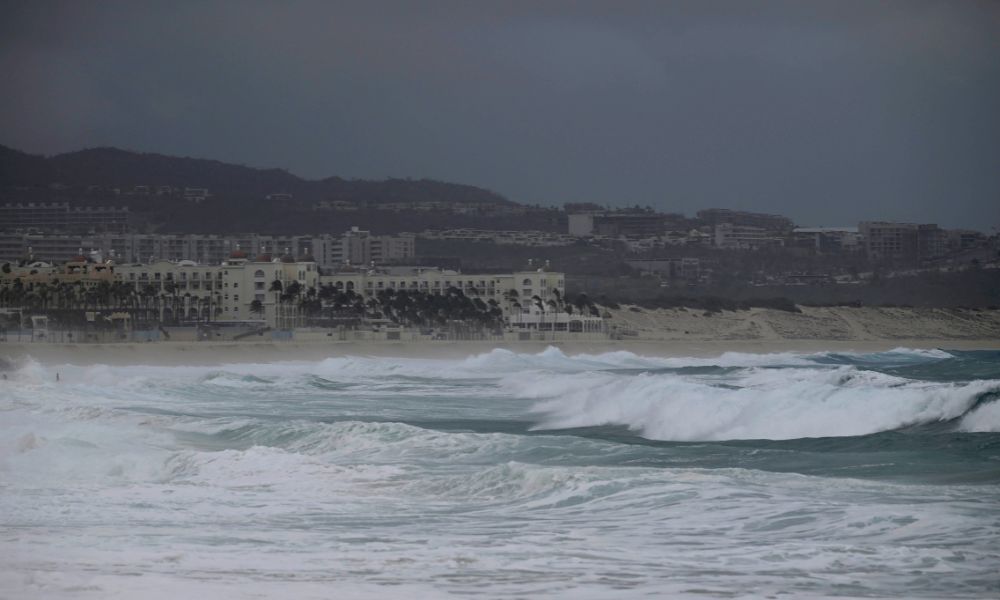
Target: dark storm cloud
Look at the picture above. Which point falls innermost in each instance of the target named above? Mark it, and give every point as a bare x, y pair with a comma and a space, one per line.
829, 112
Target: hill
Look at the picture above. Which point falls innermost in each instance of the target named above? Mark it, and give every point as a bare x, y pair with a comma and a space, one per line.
239, 197
122, 169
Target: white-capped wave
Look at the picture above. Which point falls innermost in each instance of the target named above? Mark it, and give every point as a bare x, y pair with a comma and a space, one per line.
985, 418
765, 404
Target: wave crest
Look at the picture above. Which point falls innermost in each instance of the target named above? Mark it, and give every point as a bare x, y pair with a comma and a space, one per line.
765, 404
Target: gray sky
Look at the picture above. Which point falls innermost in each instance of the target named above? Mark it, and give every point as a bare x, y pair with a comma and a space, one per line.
829, 112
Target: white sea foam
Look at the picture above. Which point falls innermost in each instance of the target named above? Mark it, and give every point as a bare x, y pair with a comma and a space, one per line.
984, 418
375, 477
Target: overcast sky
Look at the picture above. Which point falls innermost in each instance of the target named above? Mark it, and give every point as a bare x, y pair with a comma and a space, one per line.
829, 112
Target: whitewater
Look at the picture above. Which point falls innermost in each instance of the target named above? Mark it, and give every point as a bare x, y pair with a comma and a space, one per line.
505, 475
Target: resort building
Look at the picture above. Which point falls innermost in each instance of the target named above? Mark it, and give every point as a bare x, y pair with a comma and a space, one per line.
239, 289
76, 272
532, 299
274, 292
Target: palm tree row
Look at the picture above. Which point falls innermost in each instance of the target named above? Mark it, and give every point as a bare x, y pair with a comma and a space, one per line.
60, 299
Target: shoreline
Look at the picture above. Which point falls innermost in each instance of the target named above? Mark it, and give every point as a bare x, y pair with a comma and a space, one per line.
218, 353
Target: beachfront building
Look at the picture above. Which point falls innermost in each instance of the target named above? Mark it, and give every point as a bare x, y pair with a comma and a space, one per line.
531, 299
508, 288
268, 290
77, 272
240, 289
279, 293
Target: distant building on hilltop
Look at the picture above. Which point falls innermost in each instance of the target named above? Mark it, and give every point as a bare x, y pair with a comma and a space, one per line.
622, 223
355, 246
827, 240
772, 223
61, 216
887, 241
729, 236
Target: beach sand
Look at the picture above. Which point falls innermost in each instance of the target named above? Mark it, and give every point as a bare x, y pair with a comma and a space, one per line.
661, 332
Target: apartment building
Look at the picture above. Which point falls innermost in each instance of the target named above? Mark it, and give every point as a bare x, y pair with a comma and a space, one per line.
903, 241
717, 216
618, 223
532, 238
828, 240
61, 216
355, 246
686, 268
729, 236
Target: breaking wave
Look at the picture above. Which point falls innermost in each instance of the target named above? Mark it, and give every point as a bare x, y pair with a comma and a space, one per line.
756, 404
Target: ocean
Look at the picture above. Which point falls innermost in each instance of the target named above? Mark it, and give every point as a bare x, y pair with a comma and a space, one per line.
505, 475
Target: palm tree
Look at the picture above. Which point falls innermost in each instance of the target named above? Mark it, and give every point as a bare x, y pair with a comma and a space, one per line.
277, 287
257, 308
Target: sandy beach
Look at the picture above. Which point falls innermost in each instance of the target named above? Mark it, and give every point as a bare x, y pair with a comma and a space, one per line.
208, 353
661, 332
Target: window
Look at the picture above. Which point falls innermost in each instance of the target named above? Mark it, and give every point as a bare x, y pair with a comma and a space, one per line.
236, 297
259, 273
258, 285
526, 283
236, 284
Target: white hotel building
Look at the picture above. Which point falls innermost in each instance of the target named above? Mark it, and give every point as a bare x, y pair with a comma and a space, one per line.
531, 299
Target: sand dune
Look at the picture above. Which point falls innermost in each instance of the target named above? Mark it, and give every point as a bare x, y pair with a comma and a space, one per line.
834, 324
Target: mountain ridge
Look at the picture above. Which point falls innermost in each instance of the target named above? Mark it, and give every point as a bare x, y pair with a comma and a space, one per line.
107, 166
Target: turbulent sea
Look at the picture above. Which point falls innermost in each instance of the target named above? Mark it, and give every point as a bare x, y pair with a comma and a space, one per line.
505, 475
